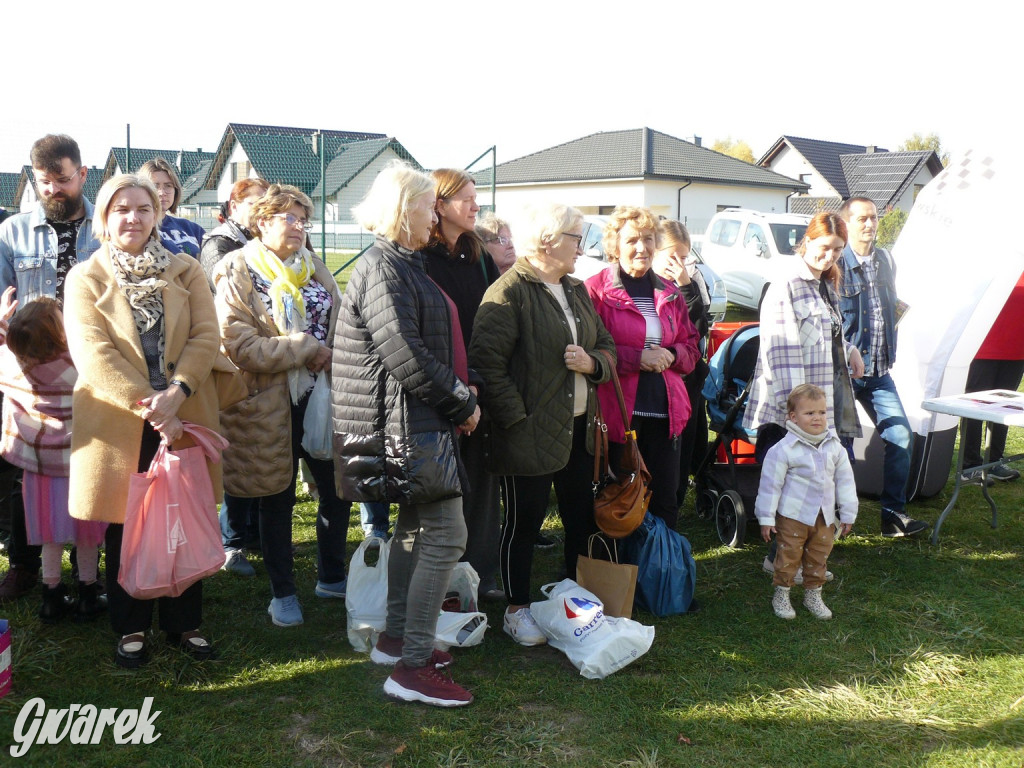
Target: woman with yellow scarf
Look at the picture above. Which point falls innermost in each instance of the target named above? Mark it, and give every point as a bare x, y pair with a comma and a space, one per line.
277, 305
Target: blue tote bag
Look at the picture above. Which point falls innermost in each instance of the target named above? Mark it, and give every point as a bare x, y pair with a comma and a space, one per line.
666, 570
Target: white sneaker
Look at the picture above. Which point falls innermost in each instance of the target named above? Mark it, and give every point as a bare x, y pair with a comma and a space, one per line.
814, 604
521, 627
781, 605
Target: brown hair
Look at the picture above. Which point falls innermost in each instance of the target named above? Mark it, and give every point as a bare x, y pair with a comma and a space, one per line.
278, 199
242, 189
448, 182
37, 331
803, 392
844, 211
825, 224
48, 153
150, 167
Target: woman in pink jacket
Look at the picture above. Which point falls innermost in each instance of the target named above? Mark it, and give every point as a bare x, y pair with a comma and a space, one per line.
656, 345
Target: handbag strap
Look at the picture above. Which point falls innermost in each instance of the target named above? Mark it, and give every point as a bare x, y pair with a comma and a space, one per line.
210, 441
600, 446
626, 419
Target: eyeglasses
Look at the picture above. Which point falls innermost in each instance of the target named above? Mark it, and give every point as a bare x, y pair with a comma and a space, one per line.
579, 238
502, 240
61, 182
293, 221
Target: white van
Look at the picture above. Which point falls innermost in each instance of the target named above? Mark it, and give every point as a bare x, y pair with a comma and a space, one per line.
750, 249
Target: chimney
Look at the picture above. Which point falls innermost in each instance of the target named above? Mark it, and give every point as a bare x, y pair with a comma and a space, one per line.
694, 140
870, 149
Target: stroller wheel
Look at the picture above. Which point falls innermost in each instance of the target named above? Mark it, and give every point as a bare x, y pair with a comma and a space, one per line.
707, 500
730, 519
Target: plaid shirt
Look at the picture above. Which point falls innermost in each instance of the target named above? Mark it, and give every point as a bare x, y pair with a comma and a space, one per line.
37, 414
796, 348
799, 480
877, 357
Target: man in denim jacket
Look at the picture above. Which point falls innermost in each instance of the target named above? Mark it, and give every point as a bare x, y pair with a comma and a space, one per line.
867, 297
37, 249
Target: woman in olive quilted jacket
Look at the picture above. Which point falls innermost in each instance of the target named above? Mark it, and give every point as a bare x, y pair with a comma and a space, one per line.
536, 343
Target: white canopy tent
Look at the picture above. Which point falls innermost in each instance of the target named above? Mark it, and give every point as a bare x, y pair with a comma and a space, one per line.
957, 261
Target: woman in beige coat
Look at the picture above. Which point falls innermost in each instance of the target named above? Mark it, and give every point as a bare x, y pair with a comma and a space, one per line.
277, 305
142, 331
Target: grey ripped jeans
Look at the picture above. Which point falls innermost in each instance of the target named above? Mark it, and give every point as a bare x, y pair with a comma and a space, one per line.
429, 540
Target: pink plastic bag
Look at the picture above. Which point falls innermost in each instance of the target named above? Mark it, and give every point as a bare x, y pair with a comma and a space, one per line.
171, 535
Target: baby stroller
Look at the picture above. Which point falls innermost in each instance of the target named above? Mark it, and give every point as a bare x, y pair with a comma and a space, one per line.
727, 479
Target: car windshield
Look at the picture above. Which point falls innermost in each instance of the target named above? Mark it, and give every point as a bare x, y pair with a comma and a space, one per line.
788, 237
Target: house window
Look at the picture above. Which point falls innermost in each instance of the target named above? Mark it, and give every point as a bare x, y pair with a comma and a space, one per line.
605, 210
720, 208
240, 171
917, 190
805, 178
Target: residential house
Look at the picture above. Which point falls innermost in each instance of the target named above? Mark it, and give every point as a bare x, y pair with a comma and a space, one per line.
192, 167
837, 171
673, 177
350, 161
10, 192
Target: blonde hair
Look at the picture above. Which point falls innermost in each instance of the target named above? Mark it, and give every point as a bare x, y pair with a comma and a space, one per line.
547, 225
642, 219
385, 209
109, 191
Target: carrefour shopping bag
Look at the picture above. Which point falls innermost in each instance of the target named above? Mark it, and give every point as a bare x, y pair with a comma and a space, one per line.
574, 622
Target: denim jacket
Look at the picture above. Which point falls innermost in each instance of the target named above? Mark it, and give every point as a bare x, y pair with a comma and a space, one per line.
855, 304
28, 252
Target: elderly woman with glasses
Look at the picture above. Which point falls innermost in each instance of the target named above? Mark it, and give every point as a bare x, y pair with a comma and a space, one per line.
656, 345
497, 239
537, 343
277, 305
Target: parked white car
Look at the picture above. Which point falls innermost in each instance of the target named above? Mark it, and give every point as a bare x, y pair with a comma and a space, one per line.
750, 250
593, 261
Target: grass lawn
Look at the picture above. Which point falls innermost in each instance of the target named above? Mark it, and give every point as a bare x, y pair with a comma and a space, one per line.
923, 665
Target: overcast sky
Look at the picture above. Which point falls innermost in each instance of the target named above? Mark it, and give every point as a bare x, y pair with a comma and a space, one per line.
450, 79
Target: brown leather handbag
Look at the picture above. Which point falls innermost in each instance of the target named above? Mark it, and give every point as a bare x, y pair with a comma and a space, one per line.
621, 497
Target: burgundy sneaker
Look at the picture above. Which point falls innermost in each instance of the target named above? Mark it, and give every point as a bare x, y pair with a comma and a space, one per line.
388, 650
428, 684
17, 583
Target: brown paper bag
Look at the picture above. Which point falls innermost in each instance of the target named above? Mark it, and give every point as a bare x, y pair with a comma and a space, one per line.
613, 582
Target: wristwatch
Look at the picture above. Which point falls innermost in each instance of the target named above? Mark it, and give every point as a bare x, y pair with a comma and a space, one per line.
184, 387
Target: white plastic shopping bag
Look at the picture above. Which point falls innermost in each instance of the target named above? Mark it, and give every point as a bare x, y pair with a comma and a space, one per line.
459, 629
466, 582
366, 596
317, 427
573, 620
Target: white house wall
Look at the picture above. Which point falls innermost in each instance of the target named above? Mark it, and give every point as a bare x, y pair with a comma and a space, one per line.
356, 189
224, 183
906, 202
791, 163
699, 201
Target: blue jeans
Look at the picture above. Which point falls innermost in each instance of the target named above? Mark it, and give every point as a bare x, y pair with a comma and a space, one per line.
881, 401
429, 540
374, 516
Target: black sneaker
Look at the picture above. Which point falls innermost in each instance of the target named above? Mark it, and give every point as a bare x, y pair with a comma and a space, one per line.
543, 542
1003, 473
897, 524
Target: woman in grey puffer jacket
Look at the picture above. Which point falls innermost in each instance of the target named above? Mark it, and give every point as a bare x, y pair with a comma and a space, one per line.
399, 402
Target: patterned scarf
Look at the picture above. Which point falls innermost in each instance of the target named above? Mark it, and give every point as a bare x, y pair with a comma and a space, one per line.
138, 277
286, 282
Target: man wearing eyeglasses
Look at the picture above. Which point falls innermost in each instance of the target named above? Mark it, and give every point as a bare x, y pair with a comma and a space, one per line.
37, 250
